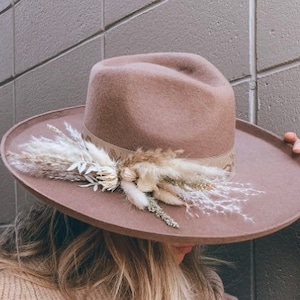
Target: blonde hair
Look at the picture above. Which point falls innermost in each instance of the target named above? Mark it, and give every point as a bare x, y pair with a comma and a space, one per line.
76, 256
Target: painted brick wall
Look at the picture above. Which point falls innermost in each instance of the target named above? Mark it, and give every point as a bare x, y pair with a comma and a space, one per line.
48, 47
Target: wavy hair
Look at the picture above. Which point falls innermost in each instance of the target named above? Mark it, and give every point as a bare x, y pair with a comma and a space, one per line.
59, 251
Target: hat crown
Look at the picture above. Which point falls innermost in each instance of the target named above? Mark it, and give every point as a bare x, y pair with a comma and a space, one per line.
161, 100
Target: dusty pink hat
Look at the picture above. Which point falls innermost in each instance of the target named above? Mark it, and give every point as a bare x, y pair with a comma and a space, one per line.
231, 183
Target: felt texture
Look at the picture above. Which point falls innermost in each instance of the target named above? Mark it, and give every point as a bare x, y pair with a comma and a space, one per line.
161, 100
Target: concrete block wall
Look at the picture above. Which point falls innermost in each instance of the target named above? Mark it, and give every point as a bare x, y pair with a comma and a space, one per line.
48, 47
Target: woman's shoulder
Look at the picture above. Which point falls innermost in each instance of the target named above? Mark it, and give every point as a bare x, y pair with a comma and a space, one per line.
17, 286
14, 286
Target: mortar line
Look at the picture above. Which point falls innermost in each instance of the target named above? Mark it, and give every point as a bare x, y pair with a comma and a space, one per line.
252, 63
103, 27
253, 106
241, 80
252, 269
14, 92
134, 14
279, 68
103, 31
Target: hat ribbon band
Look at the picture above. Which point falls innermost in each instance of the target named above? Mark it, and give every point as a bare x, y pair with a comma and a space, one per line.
224, 161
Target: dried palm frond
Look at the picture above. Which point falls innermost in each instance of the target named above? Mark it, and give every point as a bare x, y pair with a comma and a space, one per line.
67, 158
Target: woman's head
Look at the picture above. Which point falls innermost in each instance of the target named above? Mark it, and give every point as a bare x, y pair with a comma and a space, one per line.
48, 230
76, 255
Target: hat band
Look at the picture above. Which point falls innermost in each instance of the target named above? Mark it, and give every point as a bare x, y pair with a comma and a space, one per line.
223, 161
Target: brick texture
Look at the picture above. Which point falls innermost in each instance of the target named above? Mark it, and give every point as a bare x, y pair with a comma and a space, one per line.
48, 47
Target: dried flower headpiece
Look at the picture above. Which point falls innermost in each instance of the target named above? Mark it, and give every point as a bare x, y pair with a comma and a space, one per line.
145, 177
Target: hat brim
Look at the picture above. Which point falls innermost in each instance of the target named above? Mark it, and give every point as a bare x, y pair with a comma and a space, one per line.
262, 159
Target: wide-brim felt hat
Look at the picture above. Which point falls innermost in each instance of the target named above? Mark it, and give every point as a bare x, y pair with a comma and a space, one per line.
165, 101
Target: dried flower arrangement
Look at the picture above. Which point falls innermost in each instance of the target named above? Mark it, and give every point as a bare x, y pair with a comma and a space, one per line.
145, 177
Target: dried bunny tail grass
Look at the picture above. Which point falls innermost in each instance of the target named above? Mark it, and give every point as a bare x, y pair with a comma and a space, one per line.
190, 169
134, 195
184, 182
159, 164
143, 201
168, 197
